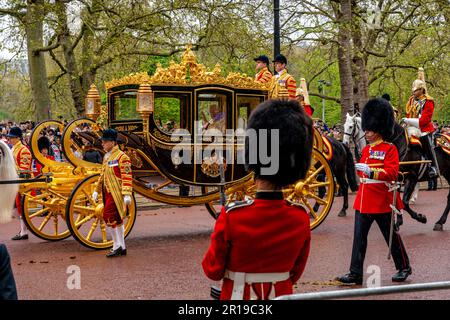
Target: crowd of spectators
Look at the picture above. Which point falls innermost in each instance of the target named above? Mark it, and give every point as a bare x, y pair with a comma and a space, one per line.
54, 136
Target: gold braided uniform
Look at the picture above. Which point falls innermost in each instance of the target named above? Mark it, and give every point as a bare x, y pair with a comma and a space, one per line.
115, 182
263, 76
283, 86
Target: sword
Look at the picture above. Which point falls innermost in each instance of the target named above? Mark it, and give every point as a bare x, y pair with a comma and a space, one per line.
395, 211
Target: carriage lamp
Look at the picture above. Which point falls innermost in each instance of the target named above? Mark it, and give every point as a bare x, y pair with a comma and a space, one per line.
144, 104
92, 103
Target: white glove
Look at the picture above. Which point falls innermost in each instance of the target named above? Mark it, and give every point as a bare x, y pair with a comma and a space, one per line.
414, 122
364, 168
95, 196
127, 200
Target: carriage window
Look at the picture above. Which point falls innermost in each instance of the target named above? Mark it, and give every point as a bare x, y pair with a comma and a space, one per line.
167, 113
245, 105
125, 106
212, 111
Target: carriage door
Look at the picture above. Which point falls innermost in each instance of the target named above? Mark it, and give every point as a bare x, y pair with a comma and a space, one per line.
214, 115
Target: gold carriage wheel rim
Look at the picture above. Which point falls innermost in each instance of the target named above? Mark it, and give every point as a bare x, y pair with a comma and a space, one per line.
76, 219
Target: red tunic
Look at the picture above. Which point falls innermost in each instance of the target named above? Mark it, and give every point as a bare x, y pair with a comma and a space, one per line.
23, 159
308, 109
264, 237
375, 198
425, 115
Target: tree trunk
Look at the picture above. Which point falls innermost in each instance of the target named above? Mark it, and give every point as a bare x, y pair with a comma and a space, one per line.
36, 60
69, 56
360, 73
344, 18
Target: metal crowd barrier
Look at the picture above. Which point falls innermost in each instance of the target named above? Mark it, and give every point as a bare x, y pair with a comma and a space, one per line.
351, 293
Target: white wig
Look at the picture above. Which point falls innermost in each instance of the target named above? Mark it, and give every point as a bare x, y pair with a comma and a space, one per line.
8, 192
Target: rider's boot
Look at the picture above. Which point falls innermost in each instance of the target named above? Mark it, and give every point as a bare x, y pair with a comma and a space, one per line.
428, 147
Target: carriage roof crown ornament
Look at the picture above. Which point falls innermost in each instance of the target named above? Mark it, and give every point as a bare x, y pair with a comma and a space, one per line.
189, 72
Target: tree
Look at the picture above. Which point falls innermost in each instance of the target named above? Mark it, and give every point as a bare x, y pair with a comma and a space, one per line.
31, 15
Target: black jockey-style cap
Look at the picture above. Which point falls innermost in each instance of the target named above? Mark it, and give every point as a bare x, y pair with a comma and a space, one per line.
15, 132
378, 116
262, 58
295, 141
280, 58
109, 135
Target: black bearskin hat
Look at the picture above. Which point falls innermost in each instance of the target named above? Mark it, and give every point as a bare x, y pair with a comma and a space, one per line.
109, 135
43, 143
295, 140
378, 116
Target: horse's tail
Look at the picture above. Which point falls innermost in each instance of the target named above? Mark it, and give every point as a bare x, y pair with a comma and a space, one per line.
351, 175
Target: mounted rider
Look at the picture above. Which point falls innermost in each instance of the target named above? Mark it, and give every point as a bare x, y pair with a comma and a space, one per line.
419, 114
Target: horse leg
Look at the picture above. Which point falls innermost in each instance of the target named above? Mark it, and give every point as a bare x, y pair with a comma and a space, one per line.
343, 185
321, 190
409, 189
439, 225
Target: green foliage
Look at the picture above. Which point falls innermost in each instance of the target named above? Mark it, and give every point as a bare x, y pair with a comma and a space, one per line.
167, 109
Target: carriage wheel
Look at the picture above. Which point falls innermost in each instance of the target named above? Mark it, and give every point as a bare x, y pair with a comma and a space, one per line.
315, 193
44, 214
84, 216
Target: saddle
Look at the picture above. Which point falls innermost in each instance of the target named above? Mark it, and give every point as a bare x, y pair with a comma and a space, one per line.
443, 141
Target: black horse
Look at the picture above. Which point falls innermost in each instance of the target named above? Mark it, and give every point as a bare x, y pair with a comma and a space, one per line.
412, 174
343, 168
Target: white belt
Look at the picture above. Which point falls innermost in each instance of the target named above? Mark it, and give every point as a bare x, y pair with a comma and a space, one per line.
241, 278
370, 181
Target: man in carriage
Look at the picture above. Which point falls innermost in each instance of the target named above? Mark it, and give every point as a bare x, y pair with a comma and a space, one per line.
261, 247
283, 84
263, 74
115, 184
419, 114
23, 160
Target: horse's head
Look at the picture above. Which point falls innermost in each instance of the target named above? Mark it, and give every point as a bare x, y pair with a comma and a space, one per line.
349, 128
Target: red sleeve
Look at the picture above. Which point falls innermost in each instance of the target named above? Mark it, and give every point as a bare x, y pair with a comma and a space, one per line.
300, 262
291, 86
390, 166
364, 156
215, 260
427, 114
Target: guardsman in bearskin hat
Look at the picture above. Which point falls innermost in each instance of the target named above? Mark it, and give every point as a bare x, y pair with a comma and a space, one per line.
263, 74
44, 148
302, 97
419, 114
283, 84
115, 184
379, 165
23, 159
261, 246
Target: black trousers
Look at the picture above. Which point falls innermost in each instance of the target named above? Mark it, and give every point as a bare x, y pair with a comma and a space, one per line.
363, 222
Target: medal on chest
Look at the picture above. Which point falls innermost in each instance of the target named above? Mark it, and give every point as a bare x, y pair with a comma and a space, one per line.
377, 155
113, 163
